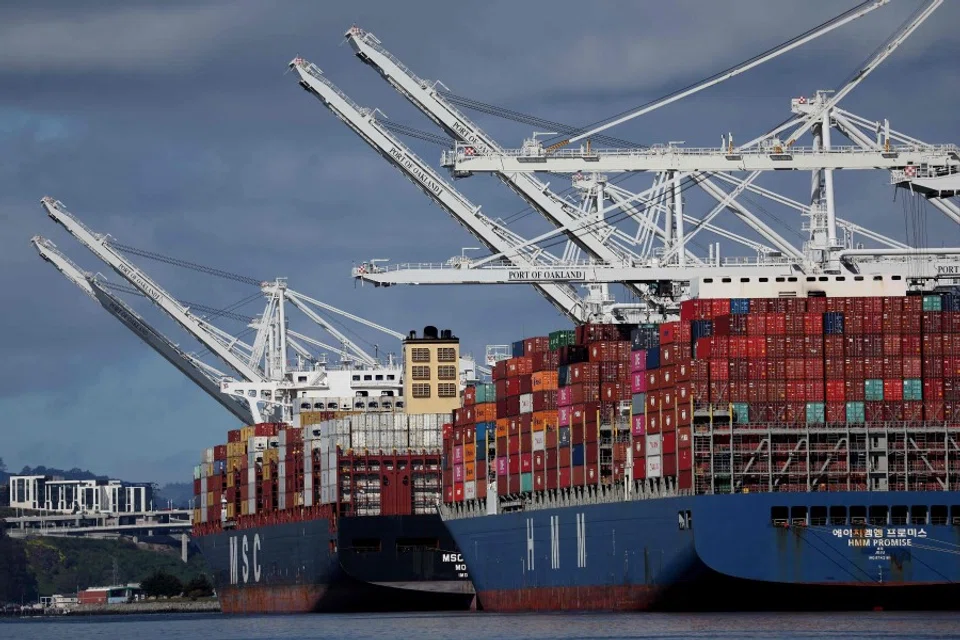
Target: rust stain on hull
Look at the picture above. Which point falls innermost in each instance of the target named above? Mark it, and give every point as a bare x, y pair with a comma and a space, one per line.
272, 599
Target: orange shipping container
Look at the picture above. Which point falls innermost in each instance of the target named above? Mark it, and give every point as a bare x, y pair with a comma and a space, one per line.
544, 380
469, 453
543, 419
486, 411
469, 471
503, 427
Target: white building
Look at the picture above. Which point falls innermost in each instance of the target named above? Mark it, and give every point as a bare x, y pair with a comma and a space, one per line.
70, 496
27, 492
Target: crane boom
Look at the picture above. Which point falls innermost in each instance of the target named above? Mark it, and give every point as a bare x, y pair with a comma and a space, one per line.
885, 52
589, 234
495, 237
97, 243
849, 16
203, 376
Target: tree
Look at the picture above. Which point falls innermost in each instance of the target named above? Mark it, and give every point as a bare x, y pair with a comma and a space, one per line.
199, 587
161, 584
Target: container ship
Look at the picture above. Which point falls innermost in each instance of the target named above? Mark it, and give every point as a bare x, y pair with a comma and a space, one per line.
337, 511
795, 448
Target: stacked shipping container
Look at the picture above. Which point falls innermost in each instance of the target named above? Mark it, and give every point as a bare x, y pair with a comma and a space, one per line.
350, 465
738, 395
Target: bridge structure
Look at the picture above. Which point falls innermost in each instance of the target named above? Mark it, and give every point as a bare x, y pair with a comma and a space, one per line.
172, 522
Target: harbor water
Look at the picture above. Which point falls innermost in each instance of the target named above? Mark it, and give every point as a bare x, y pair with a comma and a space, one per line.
461, 626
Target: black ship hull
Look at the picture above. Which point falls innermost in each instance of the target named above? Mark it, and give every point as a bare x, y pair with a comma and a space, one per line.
349, 564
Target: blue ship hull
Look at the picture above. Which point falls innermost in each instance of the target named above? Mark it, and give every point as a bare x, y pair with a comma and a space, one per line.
780, 551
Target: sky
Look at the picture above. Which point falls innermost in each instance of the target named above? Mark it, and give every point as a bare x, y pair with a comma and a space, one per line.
176, 127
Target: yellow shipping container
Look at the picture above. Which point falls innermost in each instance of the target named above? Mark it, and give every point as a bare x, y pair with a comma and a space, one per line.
229, 480
235, 463
266, 472
246, 433
236, 449
310, 417
210, 502
231, 512
298, 499
243, 507
271, 455
196, 516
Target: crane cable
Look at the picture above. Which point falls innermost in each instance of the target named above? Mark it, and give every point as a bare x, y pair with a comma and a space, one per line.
715, 75
177, 262
225, 313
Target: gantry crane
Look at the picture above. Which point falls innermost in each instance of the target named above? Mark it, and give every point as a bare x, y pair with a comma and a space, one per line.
493, 234
265, 377
204, 376
930, 169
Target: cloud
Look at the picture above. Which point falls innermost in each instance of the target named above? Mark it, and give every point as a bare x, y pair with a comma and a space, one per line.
173, 127
126, 39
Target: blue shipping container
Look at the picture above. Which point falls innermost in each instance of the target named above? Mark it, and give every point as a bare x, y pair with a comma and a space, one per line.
701, 329
564, 436
577, 455
518, 349
653, 358
740, 306
833, 323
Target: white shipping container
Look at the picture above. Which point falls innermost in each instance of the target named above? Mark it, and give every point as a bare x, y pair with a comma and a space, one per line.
653, 444
282, 469
526, 403
282, 498
252, 506
203, 487
539, 440
208, 455
257, 443
203, 501
470, 490
282, 437
654, 467
308, 489
251, 477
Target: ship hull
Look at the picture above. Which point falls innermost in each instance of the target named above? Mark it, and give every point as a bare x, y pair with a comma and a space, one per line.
355, 564
718, 553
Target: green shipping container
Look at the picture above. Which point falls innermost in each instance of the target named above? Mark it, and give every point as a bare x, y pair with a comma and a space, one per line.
526, 482
816, 412
561, 338
486, 393
741, 412
932, 303
856, 412
913, 389
874, 390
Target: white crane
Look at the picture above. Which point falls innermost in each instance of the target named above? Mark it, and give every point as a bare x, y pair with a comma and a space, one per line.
928, 169
99, 245
495, 236
204, 376
849, 16
601, 241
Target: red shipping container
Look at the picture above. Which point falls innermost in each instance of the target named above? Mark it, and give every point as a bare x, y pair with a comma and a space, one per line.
614, 391
892, 411
932, 322
813, 369
469, 396
669, 464
873, 368
912, 367
933, 367
668, 332
613, 371
933, 389
536, 345
233, 435
719, 391
220, 452
585, 372
720, 307
684, 370
913, 411
934, 410
795, 369
893, 367
836, 391
668, 442
685, 463
854, 368
834, 368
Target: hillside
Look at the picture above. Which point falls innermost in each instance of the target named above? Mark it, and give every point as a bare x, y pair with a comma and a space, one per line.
62, 565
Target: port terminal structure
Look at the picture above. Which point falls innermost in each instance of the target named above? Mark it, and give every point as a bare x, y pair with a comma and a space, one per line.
655, 263
255, 381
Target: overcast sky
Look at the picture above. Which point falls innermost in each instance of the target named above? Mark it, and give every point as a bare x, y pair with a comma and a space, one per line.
175, 127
